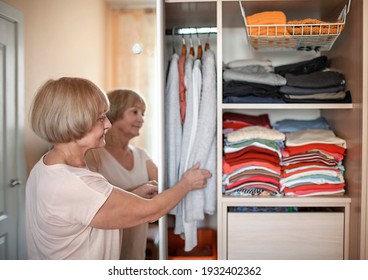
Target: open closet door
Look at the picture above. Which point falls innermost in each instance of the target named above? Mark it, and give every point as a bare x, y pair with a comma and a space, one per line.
160, 13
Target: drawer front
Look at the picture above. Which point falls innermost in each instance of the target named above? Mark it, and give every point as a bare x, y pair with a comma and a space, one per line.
270, 236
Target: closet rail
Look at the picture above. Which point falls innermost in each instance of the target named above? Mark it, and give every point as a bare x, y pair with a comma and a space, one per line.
191, 30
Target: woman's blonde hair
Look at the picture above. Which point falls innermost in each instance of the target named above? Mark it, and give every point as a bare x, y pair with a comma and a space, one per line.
120, 101
66, 109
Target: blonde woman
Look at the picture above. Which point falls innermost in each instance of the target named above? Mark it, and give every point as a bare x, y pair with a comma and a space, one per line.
71, 211
125, 165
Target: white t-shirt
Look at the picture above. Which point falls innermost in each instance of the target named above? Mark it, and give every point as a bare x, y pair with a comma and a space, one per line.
100, 160
61, 201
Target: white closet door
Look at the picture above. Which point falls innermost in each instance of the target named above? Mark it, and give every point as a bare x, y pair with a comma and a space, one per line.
11, 141
160, 16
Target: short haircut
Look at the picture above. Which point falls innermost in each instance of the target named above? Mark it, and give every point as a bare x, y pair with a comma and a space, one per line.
120, 101
66, 109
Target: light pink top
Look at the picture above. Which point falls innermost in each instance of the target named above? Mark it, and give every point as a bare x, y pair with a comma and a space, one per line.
61, 201
100, 160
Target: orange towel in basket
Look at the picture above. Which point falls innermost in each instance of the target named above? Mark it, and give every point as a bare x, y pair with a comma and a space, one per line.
303, 27
276, 18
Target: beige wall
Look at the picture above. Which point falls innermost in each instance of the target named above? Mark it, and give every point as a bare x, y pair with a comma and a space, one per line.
62, 38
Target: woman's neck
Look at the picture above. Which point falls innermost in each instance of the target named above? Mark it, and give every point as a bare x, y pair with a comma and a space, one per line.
65, 153
116, 141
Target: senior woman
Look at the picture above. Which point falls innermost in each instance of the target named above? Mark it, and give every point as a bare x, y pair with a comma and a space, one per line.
126, 165
72, 212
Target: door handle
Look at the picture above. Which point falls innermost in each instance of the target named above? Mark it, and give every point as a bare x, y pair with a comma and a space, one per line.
15, 182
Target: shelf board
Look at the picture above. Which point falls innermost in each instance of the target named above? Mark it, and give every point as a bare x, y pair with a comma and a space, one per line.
316, 201
287, 106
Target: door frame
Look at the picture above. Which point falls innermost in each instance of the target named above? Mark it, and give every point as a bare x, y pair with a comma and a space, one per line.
11, 14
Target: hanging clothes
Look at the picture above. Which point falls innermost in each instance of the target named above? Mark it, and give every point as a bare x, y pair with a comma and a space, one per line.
192, 78
205, 141
173, 123
200, 202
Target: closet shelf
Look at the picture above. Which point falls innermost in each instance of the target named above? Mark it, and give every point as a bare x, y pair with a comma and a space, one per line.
287, 106
315, 201
303, 35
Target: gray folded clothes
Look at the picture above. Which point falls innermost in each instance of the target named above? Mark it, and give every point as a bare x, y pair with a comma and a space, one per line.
318, 79
252, 69
321, 96
307, 91
250, 62
267, 78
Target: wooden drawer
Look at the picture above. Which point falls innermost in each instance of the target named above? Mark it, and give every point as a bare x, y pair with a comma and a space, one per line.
267, 236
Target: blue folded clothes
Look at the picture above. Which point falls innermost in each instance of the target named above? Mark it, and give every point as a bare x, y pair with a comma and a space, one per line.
293, 125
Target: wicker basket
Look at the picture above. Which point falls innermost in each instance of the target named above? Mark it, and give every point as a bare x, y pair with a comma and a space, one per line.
309, 35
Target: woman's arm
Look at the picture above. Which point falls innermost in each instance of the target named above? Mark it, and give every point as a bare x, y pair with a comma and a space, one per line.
152, 170
123, 209
150, 189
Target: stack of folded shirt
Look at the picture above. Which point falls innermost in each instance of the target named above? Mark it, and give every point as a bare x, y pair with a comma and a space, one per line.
251, 81
311, 81
251, 163
312, 163
316, 87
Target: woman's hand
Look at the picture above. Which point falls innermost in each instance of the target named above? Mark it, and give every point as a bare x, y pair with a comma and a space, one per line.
196, 178
148, 190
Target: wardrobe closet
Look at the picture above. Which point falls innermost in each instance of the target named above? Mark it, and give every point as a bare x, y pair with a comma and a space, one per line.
325, 226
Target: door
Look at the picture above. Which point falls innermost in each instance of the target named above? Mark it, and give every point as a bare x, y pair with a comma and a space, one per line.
12, 177
160, 19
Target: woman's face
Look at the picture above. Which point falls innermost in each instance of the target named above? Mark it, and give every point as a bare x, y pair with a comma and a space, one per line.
96, 137
131, 121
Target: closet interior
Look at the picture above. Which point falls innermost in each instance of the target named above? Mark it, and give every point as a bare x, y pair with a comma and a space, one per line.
269, 224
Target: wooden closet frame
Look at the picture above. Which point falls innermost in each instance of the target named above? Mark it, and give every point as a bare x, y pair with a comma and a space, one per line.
349, 121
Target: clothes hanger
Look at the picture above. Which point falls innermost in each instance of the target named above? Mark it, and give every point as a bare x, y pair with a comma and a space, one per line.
199, 49
173, 40
207, 45
183, 47
191, 49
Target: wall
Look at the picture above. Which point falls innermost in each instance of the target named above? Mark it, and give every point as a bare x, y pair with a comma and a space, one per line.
62, 38
132, 70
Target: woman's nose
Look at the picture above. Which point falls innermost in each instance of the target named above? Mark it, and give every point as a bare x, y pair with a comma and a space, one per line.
107, 123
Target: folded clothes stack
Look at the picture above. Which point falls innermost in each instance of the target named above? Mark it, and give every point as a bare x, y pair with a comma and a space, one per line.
320, 86
308, 81
251, 81
312, 163
251, 163
290, 158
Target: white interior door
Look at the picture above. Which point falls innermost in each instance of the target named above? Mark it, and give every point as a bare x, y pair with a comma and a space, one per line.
12, 158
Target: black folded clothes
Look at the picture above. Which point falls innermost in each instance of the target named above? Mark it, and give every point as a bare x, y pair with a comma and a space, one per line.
241, 88
308, 91
318, 79
303, 67
345, 97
